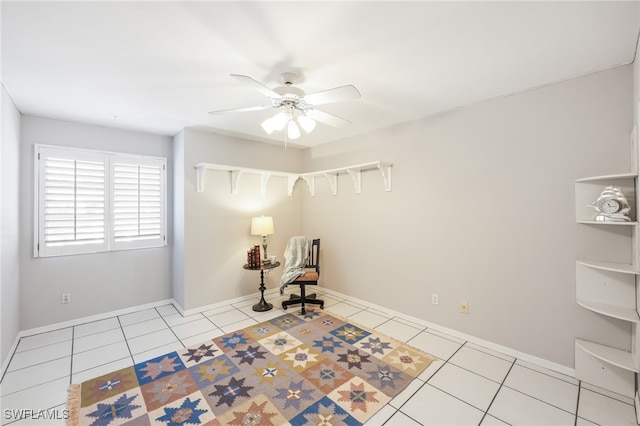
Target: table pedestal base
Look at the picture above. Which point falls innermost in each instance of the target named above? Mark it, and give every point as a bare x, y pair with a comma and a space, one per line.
262, 306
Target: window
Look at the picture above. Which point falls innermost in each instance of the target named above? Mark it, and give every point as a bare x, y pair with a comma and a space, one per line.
91, 201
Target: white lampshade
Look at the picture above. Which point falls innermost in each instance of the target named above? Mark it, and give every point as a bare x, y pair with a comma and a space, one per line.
308, 124
293, 131
274, 123
262, 225
279, 120
267, 125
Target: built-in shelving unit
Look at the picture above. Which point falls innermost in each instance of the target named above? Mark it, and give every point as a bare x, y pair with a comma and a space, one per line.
607, 283
354, 171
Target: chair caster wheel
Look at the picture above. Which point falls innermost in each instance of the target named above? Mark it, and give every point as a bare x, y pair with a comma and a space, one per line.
284, 306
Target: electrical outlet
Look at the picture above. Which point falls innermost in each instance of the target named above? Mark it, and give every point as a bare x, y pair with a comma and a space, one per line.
66, 298
434, 299
464, 307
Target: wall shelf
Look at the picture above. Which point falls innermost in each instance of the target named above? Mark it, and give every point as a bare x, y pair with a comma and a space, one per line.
608, 286
605, 178
616, 357
588, 189
606, 367
613, 311
622, 268
354, 171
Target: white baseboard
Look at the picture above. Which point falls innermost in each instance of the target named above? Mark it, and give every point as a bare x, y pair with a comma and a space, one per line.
541, 362
97, 317
214, 305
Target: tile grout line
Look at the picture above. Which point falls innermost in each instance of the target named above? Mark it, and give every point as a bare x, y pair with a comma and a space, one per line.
608, 396
126, 341
538, 399
497, 392
426, 382
458, 398
73, 331
546, 374
171, 328
575, 420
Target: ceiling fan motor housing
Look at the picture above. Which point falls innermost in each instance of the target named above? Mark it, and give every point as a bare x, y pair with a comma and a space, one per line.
288, 78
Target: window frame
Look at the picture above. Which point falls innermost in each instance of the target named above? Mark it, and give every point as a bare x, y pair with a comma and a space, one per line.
108, 159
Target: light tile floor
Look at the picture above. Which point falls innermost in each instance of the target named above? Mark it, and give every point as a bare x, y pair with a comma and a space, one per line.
467, 385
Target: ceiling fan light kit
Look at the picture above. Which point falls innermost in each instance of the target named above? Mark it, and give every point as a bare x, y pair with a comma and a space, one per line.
306, 123
296, 109
277, 122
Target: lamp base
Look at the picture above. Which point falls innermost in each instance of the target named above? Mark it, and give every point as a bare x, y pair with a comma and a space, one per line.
265, 259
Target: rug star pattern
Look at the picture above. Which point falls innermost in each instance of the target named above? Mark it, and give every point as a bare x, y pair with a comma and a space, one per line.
294, 369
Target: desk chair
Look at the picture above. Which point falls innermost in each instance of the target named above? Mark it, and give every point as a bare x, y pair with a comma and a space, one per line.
310, 277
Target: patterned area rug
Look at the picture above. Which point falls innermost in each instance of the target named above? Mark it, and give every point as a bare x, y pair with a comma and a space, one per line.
314, 369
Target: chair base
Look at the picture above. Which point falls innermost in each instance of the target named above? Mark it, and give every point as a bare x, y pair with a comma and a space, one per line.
294, 299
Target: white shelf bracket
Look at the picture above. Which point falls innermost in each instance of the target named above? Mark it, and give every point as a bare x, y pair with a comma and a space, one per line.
234, 175
333, 182
356, 175
200, 172
264, 180
385, 169
291, 182
311, 183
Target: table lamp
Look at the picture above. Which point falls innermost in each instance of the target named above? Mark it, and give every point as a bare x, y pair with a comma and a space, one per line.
262, 225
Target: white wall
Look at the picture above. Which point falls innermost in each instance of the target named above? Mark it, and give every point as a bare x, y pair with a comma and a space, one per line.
100, 282
9, 221
216, 228
481, 210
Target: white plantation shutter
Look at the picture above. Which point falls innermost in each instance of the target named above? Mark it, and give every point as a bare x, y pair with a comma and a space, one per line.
72, 202
91, 202
138, 202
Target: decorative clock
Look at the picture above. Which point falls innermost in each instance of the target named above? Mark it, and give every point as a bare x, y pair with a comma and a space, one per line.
612, 206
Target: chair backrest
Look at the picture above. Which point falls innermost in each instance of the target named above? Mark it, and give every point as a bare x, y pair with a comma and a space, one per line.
314, 256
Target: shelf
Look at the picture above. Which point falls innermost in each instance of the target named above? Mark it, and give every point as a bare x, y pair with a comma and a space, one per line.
605, 367
587, 191
354, 171
607, 288
595, 179
615, 357
625, 314
598, 222
236, 172
622, 268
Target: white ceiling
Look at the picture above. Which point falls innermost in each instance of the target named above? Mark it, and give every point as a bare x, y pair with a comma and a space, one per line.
161, 66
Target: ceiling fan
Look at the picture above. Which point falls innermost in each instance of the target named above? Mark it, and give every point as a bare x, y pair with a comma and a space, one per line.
296, 109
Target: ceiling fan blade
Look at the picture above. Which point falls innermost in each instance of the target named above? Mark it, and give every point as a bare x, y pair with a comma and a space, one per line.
326, 118
255, 108
245, 79
337, 94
